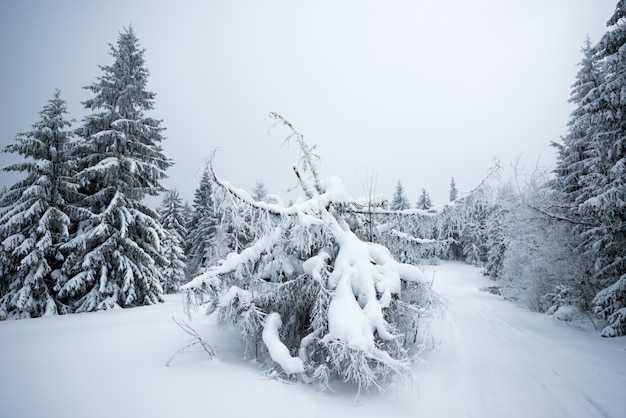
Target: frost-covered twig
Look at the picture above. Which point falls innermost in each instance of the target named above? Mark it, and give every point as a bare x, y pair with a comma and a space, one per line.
309, 158
538, 209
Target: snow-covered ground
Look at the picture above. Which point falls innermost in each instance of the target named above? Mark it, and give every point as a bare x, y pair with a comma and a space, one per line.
487, 358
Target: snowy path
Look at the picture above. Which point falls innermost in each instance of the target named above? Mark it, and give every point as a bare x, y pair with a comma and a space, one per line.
488, 359
495, 359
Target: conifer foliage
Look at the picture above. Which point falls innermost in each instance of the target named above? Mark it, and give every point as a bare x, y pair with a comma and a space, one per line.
311, 299
604, 187
591, 174
116, 252
173, 221
202, 227
36, 215
400, 200
424, 202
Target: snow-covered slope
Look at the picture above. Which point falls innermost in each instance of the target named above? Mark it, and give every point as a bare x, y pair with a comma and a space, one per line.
487, 358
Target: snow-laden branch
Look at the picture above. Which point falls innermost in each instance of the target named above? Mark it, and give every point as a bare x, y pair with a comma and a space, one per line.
244, 196
331, 189
410, 238
380, 211
234, 260
279, 351
365, 277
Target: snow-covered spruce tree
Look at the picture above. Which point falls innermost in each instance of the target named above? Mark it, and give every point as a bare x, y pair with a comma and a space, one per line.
424, 202
475, 210
604, 183
463, 222
36, 215
453, 190
173, 222
310, 298
400, 201
451, 225
201, 247
496, 243
116, 253
573, 152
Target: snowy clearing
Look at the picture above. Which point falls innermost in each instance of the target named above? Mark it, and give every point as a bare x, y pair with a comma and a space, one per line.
487, 358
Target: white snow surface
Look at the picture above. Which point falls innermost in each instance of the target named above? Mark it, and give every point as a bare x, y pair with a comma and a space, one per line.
487, 358
279, 351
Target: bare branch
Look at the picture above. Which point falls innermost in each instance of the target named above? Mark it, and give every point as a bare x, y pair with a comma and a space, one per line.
535, 208
308, 156
198, 341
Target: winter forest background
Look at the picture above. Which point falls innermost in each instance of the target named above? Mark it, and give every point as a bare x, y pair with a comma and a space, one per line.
326, 286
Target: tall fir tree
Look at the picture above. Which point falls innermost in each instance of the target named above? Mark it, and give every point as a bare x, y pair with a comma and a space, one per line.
400, 200
117, 256
172, 218
573, 152
202, 228
604, 183
36, 215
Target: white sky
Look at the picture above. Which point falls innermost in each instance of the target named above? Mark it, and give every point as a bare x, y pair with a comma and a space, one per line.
416, 90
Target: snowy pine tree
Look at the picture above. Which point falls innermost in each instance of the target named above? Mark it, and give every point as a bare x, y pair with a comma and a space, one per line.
400, 201
310, 298
36, 215
496, 242
604, 182
424, 202
475, 210
116, 253
173, 221
573, 152
201, 249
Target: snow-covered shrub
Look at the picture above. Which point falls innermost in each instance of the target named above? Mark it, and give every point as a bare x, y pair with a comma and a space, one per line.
537, 253
310, 298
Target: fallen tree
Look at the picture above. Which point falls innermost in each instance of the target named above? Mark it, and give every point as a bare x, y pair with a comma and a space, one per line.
313, 300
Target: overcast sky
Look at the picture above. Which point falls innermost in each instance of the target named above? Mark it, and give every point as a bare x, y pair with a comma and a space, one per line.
417, 90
